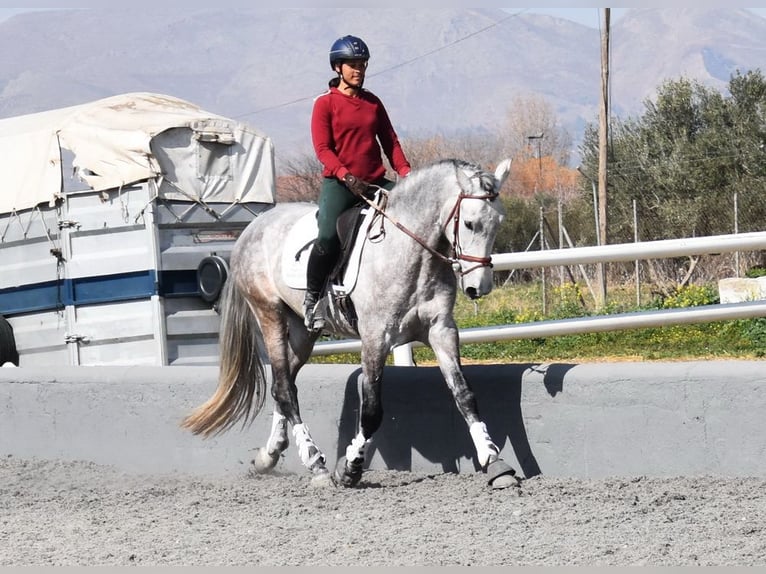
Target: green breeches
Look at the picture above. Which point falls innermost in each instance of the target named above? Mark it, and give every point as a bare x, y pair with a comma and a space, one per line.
334, 199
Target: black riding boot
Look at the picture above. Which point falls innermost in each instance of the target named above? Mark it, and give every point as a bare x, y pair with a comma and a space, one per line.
319, 266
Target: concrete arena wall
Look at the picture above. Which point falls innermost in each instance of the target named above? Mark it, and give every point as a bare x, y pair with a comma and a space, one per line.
586, 420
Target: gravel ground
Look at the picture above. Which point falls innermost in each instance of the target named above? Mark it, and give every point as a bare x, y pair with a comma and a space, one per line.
76, 513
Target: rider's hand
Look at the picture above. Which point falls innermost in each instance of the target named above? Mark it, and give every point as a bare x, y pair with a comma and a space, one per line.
355, 185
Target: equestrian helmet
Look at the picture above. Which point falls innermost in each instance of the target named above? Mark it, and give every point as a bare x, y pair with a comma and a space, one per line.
348, 48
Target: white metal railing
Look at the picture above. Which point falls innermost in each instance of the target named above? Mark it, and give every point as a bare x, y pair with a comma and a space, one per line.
598, 254
631, 251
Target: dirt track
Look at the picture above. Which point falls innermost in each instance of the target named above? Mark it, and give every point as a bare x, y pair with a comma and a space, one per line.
84, 514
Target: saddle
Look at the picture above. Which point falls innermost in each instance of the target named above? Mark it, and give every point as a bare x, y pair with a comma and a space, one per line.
342, 278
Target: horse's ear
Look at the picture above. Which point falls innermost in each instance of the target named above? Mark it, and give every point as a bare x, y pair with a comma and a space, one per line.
501, 173
463, 179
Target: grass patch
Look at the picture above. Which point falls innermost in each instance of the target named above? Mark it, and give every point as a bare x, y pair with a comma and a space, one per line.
735, 339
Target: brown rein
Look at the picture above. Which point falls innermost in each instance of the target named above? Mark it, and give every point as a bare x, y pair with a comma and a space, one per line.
457, 254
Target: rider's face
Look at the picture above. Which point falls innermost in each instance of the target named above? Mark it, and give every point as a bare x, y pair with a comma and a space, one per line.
352, 72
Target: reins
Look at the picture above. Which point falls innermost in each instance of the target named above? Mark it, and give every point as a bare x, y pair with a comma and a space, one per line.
454, 216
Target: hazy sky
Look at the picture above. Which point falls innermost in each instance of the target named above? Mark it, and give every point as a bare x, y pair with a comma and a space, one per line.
586, 16
8, 12
592, 16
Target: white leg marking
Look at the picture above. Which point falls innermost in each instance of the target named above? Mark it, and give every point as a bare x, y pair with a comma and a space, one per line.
307, 450
278, 437
356, 449
485, 448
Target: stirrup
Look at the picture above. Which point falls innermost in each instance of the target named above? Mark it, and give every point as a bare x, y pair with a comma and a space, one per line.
313, 317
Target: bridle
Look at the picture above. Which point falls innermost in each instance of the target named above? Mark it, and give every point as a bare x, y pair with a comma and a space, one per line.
457, 254
457, 250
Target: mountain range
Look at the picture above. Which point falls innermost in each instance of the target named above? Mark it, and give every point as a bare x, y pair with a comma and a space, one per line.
439, 71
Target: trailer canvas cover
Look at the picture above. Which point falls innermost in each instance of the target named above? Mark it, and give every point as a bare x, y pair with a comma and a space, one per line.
133, 137
117, 219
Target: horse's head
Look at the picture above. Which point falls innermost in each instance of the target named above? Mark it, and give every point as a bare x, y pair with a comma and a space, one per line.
472, 225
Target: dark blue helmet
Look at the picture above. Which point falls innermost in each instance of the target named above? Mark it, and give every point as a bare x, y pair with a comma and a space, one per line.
348, 48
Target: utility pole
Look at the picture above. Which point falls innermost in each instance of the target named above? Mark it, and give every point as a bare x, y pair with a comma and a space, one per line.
603, 132
539, 138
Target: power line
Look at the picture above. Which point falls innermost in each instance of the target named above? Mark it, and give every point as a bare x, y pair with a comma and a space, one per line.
395, 66
458, 41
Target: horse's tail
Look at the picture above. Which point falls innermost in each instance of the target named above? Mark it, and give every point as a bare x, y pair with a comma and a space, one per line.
241, 380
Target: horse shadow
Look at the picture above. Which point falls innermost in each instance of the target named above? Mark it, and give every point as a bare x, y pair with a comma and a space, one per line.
421, 419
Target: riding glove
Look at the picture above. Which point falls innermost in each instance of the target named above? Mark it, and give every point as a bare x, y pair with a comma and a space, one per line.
355, 185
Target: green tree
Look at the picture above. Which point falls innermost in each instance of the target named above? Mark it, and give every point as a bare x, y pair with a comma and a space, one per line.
684, 158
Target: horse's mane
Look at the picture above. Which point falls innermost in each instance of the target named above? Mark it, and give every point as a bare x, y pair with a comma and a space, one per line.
472, 170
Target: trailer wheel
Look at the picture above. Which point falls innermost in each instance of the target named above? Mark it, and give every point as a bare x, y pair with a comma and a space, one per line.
8, 352
212, 272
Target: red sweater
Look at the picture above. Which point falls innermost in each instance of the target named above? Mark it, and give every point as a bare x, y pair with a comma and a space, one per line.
346, 130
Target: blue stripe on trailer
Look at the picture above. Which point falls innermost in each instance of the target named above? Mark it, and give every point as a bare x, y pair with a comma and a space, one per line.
81, 291
110, 288
29, 298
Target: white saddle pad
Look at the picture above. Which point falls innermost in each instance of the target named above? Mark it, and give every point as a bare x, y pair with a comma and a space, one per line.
296, 250
298, 246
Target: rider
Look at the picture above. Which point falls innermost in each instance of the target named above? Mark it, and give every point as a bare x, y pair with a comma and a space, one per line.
349, 126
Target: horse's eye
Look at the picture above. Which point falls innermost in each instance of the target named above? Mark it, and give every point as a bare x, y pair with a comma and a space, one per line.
469, 225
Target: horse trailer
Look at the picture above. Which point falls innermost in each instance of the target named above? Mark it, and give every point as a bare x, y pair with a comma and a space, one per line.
117, 218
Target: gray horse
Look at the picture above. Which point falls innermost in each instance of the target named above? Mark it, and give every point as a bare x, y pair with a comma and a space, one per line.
434, 231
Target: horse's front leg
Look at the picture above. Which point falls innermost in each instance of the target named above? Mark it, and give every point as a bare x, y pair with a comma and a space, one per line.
443, 338
348, 470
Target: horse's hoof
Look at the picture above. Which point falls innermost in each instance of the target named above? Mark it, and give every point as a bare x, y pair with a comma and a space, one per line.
322, 479
263, 461
347, 475
501, 475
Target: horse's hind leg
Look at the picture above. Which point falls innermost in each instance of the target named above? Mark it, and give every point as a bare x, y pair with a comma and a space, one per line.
444, 342
266, 458
288, 345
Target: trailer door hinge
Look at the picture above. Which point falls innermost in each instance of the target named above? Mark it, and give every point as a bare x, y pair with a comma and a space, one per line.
71, 338
68, 223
